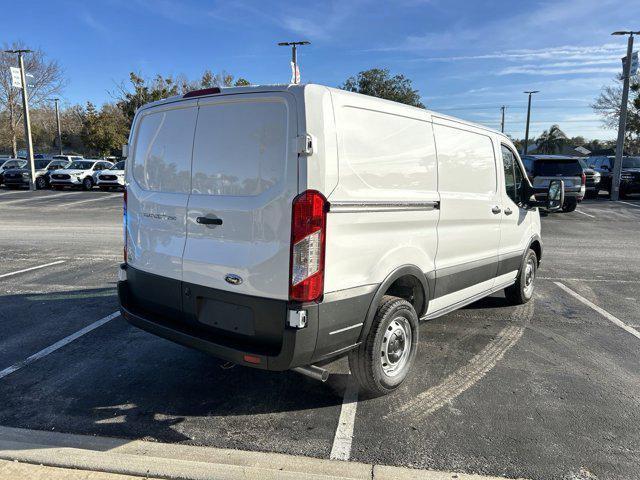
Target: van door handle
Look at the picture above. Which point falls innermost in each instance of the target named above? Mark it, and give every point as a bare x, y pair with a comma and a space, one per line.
496, 210
508, 211
209, 221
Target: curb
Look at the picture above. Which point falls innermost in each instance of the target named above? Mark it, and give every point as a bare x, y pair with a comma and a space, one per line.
186, 462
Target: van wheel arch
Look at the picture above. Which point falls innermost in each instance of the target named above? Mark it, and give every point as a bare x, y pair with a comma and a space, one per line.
536, 245
408, 282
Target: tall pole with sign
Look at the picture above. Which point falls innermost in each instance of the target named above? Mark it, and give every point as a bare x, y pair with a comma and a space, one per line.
622, 125
295, 71
19, 80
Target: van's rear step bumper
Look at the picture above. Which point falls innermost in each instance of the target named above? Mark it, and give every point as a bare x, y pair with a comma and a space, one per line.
154, 304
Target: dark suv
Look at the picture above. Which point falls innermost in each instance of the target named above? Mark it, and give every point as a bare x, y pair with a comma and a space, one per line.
629, 177
541, 169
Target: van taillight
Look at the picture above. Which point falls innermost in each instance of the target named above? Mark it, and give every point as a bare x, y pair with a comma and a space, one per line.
584, 179
124, 223
308, 232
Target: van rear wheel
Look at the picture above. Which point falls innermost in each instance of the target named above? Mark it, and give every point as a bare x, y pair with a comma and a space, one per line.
383, 360
522, 291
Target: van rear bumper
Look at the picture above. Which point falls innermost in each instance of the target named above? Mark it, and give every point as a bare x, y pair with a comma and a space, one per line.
267, 344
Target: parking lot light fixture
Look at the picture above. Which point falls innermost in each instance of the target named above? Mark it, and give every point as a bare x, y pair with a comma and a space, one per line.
295, 78
622, 122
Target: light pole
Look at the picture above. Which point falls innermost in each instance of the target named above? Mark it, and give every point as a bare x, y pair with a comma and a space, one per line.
58, 126
526, 133
27, 120
294, 58
502, 121
622, 125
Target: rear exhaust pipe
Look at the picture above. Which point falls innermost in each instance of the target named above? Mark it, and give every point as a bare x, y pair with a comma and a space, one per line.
314, 372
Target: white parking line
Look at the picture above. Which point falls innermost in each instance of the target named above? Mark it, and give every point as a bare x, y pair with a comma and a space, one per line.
59, 344
341, 449
601, 311
627, 203
39, 197
31, 268
89, 200
580, 211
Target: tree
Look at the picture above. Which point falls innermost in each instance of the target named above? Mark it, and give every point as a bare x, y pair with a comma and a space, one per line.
552, 140
144, 92
608, 104
104, 131
47, 81
378, 82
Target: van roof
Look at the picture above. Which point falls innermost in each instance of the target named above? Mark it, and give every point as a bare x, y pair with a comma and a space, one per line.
299, 88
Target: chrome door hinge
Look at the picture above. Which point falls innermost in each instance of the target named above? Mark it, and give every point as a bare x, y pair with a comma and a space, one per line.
305, 144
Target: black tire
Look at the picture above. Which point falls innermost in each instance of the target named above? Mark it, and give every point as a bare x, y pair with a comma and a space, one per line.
569, 205
87, 183
522, 291
372, 362
41, 183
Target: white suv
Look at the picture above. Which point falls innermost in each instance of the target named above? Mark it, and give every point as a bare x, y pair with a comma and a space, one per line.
278, 227
81, 173
112, 178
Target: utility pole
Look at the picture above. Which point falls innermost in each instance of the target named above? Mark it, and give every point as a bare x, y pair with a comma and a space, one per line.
27, 120
622, 125
58, 125
502, 121
295, 78
526, 133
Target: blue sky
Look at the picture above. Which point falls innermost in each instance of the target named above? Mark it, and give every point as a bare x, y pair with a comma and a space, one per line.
467, 58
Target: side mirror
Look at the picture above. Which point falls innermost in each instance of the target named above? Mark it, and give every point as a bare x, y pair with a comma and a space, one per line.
555, 195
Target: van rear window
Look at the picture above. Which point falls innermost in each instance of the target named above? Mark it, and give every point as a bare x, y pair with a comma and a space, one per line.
162, 154
240, 147
552, 168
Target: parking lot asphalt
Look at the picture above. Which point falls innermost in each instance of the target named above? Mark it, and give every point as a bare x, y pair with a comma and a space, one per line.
541, 391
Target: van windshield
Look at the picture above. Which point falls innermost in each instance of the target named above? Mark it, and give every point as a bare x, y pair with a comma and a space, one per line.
552, 168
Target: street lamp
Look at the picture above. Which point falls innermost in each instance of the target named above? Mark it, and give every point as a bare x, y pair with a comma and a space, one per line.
294, 57
25, 108
526, 133
56, 100
622, 125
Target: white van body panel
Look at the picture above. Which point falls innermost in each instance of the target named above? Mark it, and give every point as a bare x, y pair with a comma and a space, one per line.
382, 213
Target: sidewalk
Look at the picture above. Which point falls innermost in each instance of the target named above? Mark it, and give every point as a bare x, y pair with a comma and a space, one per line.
53, 455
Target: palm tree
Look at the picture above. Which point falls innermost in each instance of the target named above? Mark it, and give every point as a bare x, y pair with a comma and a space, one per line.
552, 140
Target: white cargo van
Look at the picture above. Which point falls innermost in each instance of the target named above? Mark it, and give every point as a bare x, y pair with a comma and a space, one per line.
281, 227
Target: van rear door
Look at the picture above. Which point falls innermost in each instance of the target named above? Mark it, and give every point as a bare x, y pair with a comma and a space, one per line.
159, 179
244, 178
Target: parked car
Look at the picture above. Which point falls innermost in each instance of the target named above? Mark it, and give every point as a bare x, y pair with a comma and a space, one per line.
9, 163
281, 257
80, 173
20, 177
629, 176
112, 178
569, 169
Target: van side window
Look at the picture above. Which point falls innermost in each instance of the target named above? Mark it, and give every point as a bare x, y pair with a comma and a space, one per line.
162, 152
512, 175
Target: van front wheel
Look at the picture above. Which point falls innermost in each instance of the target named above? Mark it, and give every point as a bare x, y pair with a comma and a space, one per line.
383, 360
522, 291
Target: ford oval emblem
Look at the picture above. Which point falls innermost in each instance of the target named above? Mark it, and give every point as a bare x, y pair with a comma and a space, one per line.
233, 279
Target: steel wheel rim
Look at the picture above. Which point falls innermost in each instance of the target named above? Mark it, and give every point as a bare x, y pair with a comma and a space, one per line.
529, 277
396, 346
